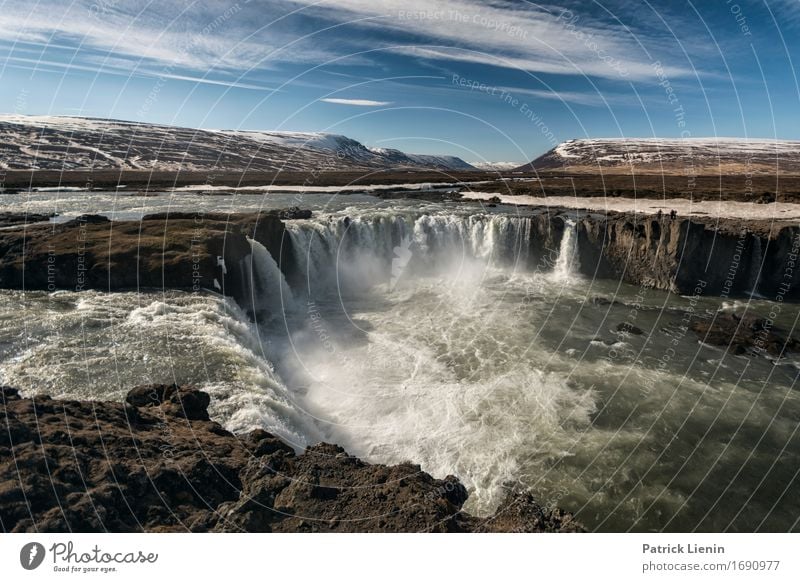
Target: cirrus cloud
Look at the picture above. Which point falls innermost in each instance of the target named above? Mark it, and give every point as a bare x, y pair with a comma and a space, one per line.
357, 102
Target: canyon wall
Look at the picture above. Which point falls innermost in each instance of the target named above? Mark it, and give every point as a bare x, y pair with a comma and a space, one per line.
196, 252
724, 257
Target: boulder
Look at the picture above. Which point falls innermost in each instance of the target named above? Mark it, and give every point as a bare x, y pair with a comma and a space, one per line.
629, 328
745, 334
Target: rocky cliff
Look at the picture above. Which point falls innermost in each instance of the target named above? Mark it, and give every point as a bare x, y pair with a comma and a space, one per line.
185, 251
721, 257
157, 463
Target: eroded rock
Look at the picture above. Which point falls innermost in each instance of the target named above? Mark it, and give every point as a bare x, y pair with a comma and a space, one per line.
745, 334
157, 463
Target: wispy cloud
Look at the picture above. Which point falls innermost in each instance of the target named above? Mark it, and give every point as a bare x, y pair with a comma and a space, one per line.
785, 12
207, 81
116, 68
196, 35
357, 102
595, 99
208, 34
524, 36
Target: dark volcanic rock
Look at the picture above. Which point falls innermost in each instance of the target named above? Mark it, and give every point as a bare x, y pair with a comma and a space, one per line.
627, 327
187, 251
17, 218
195, 250
157, 463
88, 219
721, 257
294, 213
603, 302
521, 508
747, 334
191, 404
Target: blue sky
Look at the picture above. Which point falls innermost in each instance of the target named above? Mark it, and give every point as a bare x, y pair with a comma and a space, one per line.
491, 80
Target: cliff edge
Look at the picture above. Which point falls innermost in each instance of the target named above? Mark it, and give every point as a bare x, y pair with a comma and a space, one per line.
156, 462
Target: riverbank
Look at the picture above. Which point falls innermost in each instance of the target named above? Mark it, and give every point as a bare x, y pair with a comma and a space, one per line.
157, 463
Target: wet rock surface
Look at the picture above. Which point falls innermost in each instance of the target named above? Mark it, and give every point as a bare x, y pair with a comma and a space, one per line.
194, 251
726, 257
186, 251
157, 463
746, 334
628, 328
294, 213
19, 218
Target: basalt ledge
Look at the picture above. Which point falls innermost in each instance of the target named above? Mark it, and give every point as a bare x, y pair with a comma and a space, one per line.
716, 258
198, 252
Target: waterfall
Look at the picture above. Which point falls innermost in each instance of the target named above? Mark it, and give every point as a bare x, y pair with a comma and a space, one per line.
756, 257
567, 265
267, 288
336, 253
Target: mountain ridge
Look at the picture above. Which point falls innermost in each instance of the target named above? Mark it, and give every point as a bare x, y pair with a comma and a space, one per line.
671, 155
78, 143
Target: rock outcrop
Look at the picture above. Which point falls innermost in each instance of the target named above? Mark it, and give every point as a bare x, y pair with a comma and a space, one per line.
187, 251
718, 258
158, 463
16, 218
745, 334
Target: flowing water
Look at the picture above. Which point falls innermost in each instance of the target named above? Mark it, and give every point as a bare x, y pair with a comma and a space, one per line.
756, 264
432, 334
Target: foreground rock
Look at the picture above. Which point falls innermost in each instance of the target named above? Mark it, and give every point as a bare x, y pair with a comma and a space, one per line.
157, 463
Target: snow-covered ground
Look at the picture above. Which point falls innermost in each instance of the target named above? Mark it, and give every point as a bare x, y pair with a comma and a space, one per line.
296, 139
496, 166
327, 189
779, 211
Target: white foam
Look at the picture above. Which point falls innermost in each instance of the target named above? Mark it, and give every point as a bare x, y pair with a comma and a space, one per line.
268, 290
567, 264
412, 377
94, 345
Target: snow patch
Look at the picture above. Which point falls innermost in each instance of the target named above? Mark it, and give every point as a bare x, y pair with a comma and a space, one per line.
778, 211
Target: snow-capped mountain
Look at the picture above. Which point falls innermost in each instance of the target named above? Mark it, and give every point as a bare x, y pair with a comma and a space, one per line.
495, 166
77, 143
394, 158
701, 155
